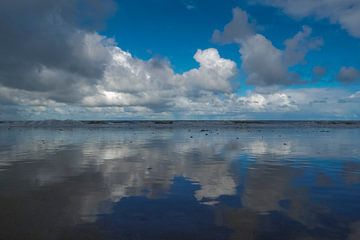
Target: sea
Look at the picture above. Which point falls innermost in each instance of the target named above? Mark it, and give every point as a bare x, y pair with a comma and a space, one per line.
170, 180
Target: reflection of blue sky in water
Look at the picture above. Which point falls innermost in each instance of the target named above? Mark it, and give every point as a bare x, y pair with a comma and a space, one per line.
178, 215
232, 183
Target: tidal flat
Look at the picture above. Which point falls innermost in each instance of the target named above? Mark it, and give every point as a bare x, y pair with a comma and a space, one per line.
169, 180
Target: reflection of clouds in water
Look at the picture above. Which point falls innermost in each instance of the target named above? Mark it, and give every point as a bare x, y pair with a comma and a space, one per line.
265, 187
351, 172
128, 165
323, 180
260, 147
214, 180
354, 231
137, 163
150, 166
242, 221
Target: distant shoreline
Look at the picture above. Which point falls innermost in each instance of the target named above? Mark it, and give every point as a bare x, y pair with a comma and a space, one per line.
182, 123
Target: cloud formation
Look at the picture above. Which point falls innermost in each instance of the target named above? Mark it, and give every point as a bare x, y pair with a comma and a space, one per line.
297, 47
53, 57
51, 46
130, 81
66, 69
265, 64
348, 75
237, 30
319, 71
343, 12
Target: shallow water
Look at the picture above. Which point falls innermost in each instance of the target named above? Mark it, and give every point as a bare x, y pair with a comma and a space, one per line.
202, 181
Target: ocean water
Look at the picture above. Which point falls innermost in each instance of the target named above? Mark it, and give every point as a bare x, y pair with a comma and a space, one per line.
179, 180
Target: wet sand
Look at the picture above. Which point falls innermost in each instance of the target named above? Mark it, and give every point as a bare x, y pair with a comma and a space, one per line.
179, 180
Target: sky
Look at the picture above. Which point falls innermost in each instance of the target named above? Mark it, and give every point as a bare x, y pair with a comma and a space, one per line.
180, 59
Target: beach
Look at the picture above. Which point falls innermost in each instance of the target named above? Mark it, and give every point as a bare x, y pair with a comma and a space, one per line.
179, 180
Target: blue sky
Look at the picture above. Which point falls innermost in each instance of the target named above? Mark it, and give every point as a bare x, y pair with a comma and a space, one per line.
169, 29
180, 59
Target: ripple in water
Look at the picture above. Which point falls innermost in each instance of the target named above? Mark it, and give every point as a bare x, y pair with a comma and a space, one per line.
202, 181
